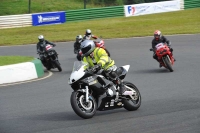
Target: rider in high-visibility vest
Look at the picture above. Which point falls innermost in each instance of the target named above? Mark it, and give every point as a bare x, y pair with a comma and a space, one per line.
97, 58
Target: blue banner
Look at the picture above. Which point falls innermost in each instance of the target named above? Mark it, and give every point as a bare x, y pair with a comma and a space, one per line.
48, 18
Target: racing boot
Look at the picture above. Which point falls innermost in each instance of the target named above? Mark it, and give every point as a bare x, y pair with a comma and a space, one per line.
158, 62
122, 89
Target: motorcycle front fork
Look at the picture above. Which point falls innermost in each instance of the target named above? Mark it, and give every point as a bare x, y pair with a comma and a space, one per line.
86, 94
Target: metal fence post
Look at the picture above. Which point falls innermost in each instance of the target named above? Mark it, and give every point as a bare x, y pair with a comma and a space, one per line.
29, 6
84, 4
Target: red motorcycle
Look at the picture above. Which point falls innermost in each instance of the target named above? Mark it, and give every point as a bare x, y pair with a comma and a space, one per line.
99, 43
164, 55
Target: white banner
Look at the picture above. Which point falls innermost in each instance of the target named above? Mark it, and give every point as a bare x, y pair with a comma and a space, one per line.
150, 8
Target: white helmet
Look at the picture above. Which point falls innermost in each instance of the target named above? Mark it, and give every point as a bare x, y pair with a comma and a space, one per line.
157, 35
88, 32
87, 47
41, 38
79, 38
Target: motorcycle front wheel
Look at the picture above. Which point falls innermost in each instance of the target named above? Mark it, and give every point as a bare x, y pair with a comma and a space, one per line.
82, 108
167, 61
48, 65
129, 103
57, 64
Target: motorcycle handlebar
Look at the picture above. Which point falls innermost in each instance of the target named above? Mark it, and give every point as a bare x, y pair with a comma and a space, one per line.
89, 70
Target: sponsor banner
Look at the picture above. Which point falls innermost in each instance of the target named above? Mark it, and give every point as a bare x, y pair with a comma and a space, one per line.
48, 18
150, 8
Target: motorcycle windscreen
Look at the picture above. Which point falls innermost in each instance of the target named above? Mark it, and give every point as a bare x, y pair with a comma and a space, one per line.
78, 65
77, 72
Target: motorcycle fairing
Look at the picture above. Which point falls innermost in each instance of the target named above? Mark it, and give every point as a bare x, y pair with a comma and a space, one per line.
96, 83
122, 71
76, 75
104, 103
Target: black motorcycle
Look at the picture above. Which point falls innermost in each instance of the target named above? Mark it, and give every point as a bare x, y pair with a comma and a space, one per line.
50, 58
94, 92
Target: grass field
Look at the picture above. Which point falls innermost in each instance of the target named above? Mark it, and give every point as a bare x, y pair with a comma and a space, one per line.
7, 60
11, 7
179, 22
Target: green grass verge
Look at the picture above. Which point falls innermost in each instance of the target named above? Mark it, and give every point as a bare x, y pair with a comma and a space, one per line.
179, 22
11, 7
8, 60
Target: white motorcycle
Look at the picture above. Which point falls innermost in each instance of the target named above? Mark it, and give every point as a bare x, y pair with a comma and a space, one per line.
94, 92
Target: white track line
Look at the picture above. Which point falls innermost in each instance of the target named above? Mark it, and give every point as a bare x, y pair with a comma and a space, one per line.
9, 84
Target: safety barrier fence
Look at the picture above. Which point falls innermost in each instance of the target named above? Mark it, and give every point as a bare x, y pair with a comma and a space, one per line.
182, 4
84, 14
191, 4
24, 20
13, 21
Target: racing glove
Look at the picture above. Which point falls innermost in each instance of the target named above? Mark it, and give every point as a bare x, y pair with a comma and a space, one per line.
96, 68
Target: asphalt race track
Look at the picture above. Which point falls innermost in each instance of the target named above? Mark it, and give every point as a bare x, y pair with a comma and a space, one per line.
170, 100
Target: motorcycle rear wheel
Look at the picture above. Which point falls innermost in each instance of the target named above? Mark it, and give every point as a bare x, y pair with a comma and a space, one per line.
80, 107
107, 52
130, 104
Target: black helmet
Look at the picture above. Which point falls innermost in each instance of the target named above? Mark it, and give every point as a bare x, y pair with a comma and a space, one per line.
87, 47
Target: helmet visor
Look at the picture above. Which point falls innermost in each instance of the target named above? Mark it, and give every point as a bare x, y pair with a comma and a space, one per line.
157, 36
86, 49
78, 40
41, 40
88, 34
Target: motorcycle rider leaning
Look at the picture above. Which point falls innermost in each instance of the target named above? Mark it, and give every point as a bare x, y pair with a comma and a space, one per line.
97, 58
40, 49
77, 43
88, 35
159, 38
